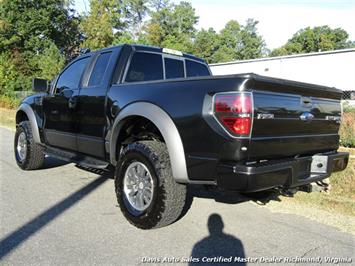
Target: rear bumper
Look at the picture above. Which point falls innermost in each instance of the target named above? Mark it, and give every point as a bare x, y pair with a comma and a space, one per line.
284, 173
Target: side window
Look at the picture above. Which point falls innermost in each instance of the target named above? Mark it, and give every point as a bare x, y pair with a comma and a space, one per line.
145, 67
173, 68
70, 78
194, 69
99, 69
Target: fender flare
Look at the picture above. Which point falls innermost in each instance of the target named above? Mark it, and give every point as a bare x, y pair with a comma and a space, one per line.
166, 127
33, 121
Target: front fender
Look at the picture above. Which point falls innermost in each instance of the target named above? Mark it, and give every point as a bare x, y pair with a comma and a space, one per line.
166, 127
33, 121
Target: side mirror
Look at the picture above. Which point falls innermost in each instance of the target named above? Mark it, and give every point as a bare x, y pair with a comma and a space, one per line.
40, 85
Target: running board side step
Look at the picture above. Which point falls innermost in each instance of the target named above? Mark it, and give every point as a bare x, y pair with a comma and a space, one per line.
80, 159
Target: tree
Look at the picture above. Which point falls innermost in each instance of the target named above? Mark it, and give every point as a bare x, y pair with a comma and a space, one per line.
250, 45
25, 24
234, 42
229, 37
315, 39
104, 18
206, 44
135, 12
11, 79
157, 5
35, 38
173, 26
50, 62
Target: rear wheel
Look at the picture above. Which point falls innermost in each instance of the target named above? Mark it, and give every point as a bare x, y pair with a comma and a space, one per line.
28, 154
146, 192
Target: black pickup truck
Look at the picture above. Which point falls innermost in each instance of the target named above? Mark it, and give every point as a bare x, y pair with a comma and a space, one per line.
160, 119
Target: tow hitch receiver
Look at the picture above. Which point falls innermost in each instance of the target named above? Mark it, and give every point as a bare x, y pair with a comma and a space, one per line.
319, 164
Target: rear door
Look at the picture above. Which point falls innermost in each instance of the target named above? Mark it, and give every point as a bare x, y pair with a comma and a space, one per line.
92, 104
60, 125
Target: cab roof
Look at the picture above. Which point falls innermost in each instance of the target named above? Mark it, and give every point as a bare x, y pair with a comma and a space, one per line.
140, 47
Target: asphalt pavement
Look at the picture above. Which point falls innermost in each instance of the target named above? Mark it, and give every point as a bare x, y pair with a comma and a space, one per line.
63, 215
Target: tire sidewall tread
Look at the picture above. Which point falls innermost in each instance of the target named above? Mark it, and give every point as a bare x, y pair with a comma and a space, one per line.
35, 153
169, 197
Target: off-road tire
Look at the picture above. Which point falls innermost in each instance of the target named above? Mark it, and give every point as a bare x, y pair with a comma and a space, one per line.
168, 198
35, 153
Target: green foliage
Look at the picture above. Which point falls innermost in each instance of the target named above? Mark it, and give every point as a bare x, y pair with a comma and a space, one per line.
315, 39
229, 39
230, 34
251, 45
37, 37
122, 38
347, 129
98, 25
26, 25
206, 44
347, 107
9, 102
13, 74
223, 54
50, 62
173, 26
234, 42
135, 11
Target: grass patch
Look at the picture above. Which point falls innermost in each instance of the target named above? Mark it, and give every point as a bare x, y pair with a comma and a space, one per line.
7, 117
347, 129
7, 102
335, 207
351, 151
339, 199
343, 183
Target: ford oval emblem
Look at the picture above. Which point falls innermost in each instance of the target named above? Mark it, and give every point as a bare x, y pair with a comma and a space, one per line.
306, 116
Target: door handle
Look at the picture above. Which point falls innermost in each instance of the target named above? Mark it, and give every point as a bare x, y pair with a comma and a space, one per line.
72, 102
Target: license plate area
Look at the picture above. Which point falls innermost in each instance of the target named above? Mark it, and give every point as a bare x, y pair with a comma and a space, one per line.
319, 164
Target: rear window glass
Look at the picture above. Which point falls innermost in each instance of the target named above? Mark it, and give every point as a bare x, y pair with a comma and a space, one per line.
145, 67
99, 70
174, 68
194, 69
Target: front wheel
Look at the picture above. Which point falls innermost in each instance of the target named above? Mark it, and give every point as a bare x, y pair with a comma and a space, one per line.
146, 192
28, 154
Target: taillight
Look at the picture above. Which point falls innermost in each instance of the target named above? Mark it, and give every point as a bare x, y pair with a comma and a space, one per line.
234, 112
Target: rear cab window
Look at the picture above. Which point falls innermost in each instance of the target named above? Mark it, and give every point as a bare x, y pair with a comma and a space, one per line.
154, 66
174, 68
195, 69
145, 67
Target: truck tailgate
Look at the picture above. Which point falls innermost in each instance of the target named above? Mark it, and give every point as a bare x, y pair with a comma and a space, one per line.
292, 118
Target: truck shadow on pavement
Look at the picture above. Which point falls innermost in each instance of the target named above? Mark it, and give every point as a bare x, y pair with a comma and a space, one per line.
17, 237
232, 197
219, 247
51, 162
227, 197
216, 244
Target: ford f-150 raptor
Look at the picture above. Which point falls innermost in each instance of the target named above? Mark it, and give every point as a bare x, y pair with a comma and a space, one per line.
160, 119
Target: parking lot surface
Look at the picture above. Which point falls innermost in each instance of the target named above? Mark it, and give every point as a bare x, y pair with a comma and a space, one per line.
63, 215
